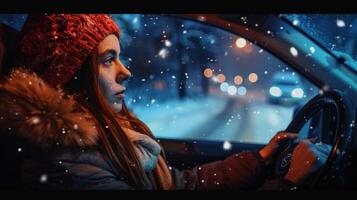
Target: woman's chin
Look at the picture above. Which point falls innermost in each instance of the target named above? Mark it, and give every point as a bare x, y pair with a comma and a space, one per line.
117, 107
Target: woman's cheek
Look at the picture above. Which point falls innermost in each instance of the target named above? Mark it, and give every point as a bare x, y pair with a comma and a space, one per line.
105, 86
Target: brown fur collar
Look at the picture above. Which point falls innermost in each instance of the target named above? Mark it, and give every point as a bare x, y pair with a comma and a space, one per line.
42, 115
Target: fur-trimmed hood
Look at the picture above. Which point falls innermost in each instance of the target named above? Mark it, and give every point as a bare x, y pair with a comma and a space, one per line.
43, 115
47, 117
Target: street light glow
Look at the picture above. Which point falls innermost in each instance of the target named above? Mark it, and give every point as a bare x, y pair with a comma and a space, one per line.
253, 77
208, 72
221, 78
238, 80
241, 42
232, 90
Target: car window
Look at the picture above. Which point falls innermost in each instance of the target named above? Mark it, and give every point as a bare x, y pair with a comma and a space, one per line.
336, 32
195, 81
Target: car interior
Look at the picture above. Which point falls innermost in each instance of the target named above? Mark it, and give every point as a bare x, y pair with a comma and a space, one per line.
325, 110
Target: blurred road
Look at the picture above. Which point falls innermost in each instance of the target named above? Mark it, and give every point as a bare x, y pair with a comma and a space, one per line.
221, 119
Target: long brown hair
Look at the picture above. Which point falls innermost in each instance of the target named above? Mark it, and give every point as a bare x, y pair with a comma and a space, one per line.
114, 142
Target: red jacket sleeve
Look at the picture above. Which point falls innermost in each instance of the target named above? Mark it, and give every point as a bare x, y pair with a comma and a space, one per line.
245, 170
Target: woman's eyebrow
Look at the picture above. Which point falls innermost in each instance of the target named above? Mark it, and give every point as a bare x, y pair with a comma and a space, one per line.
108, 51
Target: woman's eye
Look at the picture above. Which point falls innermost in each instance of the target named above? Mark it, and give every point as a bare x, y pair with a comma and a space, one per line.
108, 61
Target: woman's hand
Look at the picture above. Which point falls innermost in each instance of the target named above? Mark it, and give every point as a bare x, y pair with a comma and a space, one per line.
306, 159
269, 151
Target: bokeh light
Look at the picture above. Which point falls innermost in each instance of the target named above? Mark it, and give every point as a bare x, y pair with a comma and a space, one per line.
238, 80
241, 42
208, 72
221, 78
242, 90
232, 90
224, 87
253, 77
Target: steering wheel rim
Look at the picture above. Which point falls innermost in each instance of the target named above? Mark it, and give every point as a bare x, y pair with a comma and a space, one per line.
342, 135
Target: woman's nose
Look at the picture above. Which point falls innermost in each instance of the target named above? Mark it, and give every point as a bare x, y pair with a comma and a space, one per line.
123, 74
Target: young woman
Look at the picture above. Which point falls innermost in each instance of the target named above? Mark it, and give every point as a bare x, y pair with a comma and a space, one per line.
64, 123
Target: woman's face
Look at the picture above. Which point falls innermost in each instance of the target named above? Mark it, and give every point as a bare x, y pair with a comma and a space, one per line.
112, 73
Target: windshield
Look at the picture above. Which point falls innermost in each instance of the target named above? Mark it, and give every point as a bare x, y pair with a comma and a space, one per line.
336, 32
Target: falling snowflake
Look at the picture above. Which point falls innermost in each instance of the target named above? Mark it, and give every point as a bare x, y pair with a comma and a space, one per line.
43, 178
340, 23
312, 49
168, 43
294, 51
35, 120
227, 145
296, 22
202, 18
163, 53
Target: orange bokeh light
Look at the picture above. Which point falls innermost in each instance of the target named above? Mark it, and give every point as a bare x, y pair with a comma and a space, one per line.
208, 72
238, 80
253, 77
221, 78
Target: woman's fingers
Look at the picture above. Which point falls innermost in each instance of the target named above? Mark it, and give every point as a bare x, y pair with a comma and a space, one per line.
318, 152
286, 136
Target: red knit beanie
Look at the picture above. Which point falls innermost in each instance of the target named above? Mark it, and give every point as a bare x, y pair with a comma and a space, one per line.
56, 45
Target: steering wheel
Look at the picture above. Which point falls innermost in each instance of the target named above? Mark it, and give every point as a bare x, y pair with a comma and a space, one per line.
337, 114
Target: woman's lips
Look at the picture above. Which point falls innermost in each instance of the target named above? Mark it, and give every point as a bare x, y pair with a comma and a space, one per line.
120, 94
